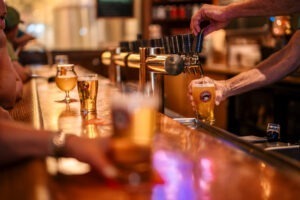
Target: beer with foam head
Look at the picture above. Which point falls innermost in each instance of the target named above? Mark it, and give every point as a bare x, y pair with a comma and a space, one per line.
204, 98
134, 125
87, 90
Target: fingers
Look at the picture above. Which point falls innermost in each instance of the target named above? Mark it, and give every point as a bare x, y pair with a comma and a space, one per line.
190, 94
195, 24
100, 161
103, 166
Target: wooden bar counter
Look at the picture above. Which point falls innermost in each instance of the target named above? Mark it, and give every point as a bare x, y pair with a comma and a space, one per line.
193, 163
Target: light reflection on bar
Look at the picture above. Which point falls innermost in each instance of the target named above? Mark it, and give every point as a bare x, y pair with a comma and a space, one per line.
177, 172
205, 178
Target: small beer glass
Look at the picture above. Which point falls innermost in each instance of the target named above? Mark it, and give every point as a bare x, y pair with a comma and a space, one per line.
203, 92
87, 86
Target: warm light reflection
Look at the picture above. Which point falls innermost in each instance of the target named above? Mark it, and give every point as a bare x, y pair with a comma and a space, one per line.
205, 178
265, 183
67, 166
69, 121
177, 172
89, 125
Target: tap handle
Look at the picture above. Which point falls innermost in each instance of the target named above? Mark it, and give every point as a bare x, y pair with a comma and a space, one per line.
198, 43
156, 43
187, 40
178, 44
173, 46
134, 46
124, 45
166, 44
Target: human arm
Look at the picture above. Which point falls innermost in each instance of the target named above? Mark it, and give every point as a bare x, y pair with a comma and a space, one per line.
23, 72
274, 68
20, 141
22, 39
220, 16
10, 83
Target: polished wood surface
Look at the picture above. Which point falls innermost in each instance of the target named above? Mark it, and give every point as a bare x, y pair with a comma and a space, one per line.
191, 163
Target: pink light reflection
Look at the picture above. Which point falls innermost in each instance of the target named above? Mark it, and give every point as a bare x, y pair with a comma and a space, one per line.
177, 172
205, 178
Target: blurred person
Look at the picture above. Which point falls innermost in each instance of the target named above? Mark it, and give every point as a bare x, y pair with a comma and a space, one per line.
10, 83
12, 21
274, 68
20, 141
21, 40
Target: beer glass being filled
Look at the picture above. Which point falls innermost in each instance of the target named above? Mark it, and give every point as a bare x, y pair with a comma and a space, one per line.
203, 92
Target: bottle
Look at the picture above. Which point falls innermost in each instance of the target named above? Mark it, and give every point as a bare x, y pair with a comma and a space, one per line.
273, 132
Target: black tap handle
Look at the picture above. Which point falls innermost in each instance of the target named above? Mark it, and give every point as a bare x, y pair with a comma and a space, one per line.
166, 44
199, 41
187, 41
124, 45
178, 44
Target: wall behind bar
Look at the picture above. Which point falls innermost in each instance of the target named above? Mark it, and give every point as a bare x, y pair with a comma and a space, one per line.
73, 24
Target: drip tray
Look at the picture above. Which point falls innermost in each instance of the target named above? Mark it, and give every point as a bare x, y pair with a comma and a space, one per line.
189, 122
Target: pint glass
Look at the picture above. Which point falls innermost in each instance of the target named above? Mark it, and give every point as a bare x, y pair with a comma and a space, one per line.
134, 125
204, 99
87, 90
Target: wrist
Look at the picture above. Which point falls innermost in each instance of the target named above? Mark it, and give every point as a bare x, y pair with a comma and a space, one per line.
232, 11
226, 90
57, 144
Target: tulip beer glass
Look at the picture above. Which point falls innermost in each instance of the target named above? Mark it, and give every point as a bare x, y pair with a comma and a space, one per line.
88, 89
204, 98
66, 79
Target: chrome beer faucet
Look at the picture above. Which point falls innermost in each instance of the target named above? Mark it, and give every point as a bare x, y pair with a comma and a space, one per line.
153, 63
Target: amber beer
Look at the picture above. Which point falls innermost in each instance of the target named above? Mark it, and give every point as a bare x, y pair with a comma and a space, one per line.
66, 83
134, 125
204, 98
87, 90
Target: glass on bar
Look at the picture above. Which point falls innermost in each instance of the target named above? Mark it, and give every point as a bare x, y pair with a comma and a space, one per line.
203, 92
88, 90
65, 80
134, 125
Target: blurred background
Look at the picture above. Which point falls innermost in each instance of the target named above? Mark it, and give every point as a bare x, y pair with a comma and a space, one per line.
74, 24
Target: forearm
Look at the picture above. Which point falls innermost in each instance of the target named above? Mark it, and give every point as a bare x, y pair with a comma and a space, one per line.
23, 72
250, 8
272, 69
8, 83
19, 141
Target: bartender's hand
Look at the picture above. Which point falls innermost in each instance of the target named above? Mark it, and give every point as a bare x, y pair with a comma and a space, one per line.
216, 15
90, 151
221, 91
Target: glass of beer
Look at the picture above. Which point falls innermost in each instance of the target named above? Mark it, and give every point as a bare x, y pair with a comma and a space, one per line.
134, 125
87, 86
66, 79
203, 93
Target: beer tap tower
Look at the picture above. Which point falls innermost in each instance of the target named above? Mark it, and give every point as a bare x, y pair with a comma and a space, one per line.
170, 55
